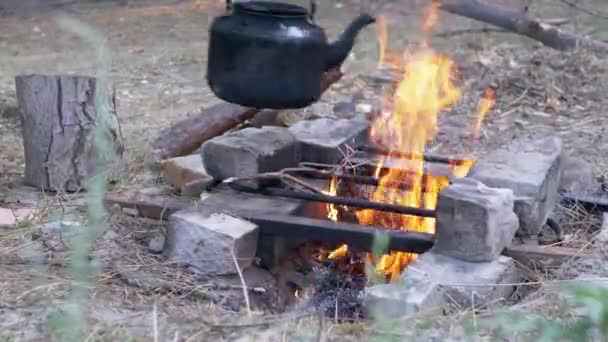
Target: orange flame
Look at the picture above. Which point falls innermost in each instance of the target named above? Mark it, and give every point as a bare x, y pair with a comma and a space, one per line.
424, 92
408, 122
332, 209
485, 105
381, 29
332, 214
430, 17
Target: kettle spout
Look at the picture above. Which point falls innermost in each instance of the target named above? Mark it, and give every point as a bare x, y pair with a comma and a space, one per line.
339, 50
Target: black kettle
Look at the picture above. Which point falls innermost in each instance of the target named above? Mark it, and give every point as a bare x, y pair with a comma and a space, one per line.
266, 54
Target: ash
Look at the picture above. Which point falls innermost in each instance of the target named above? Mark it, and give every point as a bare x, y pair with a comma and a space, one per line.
336, 290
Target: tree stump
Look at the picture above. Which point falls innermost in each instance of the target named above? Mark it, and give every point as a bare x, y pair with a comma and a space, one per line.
58, 120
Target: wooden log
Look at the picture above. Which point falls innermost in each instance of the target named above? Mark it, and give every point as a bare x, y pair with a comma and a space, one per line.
156, 207
58, 119
184, 137
519, 22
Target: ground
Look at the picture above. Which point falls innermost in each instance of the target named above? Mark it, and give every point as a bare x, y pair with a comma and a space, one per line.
158, 51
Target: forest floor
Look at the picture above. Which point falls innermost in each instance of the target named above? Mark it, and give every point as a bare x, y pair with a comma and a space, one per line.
158, 51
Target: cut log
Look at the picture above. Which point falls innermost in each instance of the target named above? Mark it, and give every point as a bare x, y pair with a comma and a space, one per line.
184, 137
58, 119
519, 22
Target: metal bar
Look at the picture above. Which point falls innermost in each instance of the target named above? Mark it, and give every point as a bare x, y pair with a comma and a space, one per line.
355, 235
365, 180
349, 202
377, 149
156, 207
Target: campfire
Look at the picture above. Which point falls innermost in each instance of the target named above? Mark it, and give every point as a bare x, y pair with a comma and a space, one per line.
407, 123
314, 198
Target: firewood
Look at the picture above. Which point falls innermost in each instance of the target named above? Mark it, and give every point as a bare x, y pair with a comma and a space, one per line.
58, 118
156, 207
184, 137
519, 22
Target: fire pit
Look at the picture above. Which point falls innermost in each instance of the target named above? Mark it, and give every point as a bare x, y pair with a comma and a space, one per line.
366, 208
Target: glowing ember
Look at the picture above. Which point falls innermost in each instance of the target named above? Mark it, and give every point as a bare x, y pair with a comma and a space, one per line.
339, 253
486, 104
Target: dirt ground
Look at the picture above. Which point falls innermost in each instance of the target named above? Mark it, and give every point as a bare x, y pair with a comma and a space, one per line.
158, 51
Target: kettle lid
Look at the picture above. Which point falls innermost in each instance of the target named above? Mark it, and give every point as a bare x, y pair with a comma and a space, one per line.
272, 8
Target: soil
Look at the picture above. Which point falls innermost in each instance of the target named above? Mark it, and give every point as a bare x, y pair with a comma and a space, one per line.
158, 56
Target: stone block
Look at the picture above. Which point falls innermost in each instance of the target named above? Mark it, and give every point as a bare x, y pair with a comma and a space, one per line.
250, 151
466, 284
271, 249
577, 175
532, 168
434, 281
181, 171
394, 301
474, 222
602, 236
205, 241
324, 140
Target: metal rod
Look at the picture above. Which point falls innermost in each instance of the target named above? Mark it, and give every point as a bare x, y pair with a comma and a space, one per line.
377, 149
355, 235
349, 202
365, 180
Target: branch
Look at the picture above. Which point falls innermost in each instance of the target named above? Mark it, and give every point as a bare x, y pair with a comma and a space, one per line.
519, 22
583, 9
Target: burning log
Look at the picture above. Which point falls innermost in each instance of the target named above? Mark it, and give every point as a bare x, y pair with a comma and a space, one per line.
185, 136
519, 22
58, 117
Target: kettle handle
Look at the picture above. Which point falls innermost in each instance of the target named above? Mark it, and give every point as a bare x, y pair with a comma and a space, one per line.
313, 9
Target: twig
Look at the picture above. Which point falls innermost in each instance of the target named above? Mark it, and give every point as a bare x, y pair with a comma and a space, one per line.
469, 31
245, 292
532, 283
155, 322
257, 324
583, 9
91, 335
320, 330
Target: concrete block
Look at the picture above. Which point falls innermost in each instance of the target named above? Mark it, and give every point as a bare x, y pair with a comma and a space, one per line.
474, 222
393, 301
271, 249
250, 151
532, 168
324, 140
602, 235
466, 284
577, 175
205, 241
434, 281
181, 171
